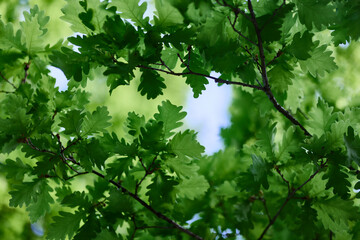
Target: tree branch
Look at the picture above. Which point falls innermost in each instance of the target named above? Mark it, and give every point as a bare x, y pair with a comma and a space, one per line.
144, 204
217, 80
282, 177
263, 72
123, 189
26, 69
237, 31
7, 80
289, 197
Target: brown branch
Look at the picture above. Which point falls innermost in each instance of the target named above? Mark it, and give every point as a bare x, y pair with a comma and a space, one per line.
278, 54
282, 177
26, 69
262, 199
144, 204
237, 31
217, 80
289, 197
124, 190
7, 80
263, 72
147, 173
31, 145
7, 92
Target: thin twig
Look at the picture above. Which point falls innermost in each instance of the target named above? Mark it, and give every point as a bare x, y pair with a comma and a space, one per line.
31, 145
144, 204
163, 64
7, 92
125, 191
217, 80
262, 199
7, 80
289, 197
237, 31
282, 177
78, 174
278, 54
26, 69
148, 172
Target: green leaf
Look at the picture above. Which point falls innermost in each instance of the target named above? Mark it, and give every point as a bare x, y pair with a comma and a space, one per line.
33, 30
41, 202
90, 228
352, 144
72, 122
152, 135
334, 214
35, 195
320, 61
167, 15
185, 144
289, 144
96, 122
321, 118
301, 45
171, 116
15, 169
7, 38
24, 193
61, 227
134, 123
181, 167
227, 190
260, 170
280, 76
192, 188
92, 154
151, 84
343, 30
73, 9
337, 179
315, 13
266, 140
131, 9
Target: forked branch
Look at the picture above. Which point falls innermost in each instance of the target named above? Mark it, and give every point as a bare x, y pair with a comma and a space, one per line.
116, 184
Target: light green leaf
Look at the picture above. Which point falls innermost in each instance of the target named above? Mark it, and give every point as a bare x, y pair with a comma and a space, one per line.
193, 187
131, 9
227, 189
321, 118
320, 61
185, 144
96, 122
335, 214
171, 116
181, 167
32, 32
167, 15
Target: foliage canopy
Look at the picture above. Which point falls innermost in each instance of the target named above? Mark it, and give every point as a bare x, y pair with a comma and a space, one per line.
292, 155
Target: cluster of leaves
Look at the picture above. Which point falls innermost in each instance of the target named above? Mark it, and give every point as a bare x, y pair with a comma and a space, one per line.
291, 162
